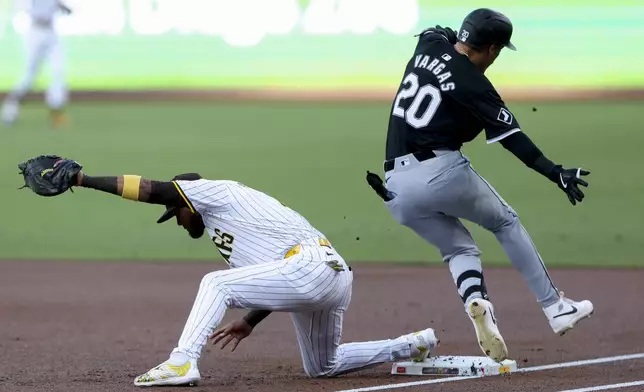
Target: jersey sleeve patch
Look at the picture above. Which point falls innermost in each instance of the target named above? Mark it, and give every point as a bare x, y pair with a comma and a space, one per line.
505, 116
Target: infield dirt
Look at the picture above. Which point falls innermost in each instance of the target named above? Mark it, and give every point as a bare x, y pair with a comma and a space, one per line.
74, 326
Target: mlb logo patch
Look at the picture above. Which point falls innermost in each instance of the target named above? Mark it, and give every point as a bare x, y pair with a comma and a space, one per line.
505, 116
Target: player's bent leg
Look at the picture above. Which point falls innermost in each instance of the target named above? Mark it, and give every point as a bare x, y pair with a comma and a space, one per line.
352, 357
494, 214
319, 333
35, 56
299, 283
426, 195
458, 249
209, 307
429, 199
57, 95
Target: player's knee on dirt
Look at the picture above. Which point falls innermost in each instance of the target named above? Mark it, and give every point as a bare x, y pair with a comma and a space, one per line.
312, 374
324, 371
321, 366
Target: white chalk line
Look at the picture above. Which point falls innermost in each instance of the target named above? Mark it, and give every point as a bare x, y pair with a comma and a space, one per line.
584, 362
606, 387
562, 365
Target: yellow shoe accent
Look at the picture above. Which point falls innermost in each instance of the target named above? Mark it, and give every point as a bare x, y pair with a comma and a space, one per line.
168, 374
180, 370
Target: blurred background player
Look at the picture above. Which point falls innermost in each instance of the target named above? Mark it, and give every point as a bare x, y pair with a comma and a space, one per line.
42, 43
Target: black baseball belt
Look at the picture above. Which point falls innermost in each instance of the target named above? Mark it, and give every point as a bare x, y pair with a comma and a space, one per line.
420, 156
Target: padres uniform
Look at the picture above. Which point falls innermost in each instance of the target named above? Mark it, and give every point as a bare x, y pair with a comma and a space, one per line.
279, 262
42, 44
443, 102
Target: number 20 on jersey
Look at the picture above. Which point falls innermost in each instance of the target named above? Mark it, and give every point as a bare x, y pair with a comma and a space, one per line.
411, 89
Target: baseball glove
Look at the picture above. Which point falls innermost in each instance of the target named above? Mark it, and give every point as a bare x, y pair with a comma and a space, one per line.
49, 175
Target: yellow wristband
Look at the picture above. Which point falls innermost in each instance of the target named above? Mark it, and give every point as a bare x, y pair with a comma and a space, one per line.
131, 186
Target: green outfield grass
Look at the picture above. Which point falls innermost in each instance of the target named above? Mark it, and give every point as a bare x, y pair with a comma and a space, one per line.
313, 157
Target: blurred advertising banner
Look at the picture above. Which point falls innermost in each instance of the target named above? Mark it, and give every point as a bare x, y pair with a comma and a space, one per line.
322, 44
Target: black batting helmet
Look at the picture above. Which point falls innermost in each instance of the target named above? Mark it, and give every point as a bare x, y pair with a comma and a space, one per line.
485, 26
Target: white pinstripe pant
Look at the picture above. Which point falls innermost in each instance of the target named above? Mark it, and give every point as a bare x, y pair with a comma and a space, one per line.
316, 296
44, 44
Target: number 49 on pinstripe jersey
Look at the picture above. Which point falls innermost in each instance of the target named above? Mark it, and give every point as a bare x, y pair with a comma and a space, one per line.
224, 243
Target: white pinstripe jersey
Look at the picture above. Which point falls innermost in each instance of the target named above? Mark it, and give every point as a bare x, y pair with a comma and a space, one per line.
247, 226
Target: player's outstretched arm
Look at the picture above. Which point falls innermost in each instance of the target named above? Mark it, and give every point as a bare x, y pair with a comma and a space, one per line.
502, 126
568, 180
52, 175
135, 188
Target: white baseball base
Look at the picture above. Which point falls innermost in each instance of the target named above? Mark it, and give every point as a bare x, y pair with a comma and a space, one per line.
454, 366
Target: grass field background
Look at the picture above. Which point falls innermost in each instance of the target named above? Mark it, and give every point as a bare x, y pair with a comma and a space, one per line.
313, 157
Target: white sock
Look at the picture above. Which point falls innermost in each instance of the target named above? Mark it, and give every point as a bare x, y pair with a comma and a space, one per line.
178, 358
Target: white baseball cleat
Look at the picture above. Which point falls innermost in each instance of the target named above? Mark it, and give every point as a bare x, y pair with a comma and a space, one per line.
9, 112
481, 313
422, 343
168, 374
566, 313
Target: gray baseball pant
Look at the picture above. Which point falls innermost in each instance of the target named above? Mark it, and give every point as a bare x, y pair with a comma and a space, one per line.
431, 197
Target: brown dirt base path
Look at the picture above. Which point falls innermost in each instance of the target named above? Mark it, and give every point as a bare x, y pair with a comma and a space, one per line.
72, 326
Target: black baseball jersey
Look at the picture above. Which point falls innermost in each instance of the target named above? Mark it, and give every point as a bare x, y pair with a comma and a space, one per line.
443, 102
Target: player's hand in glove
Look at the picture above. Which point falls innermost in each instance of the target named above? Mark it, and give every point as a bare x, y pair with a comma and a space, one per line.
49, 175
569, 181
235, 332
446, 32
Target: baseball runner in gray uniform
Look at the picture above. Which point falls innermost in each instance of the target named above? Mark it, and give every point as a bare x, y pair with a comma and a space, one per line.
444, 101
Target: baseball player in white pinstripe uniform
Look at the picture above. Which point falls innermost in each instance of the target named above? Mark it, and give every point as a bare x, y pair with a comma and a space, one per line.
42, 43
279, 263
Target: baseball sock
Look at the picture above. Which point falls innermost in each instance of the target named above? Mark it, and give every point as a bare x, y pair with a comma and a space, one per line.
178, 358
468, 276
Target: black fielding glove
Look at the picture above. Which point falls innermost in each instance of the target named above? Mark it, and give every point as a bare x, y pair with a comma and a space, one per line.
49, 175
